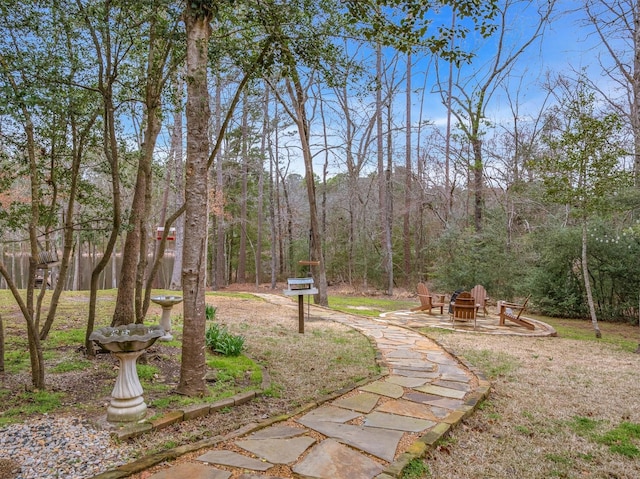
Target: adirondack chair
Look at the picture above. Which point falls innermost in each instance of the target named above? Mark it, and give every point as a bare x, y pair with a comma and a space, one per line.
429, 301
480, 295
464, 308
508, 312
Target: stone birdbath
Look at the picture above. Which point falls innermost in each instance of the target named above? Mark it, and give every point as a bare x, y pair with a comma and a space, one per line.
127, 343
167, 303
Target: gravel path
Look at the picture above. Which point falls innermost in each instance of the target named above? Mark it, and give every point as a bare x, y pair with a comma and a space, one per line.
48, 448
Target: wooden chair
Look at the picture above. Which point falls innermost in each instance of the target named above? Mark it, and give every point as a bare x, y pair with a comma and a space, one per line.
508, 312
464, 308
480, 295
429, 301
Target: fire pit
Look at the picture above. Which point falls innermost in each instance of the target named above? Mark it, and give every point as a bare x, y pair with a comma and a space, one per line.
127, 343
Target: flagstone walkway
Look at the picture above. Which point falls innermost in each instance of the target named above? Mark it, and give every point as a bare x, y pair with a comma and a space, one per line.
370, 432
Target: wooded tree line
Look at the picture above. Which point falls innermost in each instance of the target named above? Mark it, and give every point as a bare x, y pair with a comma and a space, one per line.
270, 132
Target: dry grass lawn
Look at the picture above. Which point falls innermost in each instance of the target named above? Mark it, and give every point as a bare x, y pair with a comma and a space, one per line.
553, 400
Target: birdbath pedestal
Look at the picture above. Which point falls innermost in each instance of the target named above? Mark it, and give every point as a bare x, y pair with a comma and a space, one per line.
167, 303
127, 343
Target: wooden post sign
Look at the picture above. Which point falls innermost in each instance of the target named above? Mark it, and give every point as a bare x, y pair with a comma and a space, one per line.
300, 287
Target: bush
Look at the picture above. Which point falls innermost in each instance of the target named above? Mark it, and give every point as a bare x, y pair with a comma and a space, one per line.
556, 281
210, 312
219, 340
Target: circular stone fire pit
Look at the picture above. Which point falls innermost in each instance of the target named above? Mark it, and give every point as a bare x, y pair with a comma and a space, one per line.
167, 303
127, 343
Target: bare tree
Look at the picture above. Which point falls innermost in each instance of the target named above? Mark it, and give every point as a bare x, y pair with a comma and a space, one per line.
197, 17
474, 92
617, 25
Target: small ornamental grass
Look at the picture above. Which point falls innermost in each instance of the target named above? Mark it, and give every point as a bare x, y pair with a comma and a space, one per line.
219, 340
210, 312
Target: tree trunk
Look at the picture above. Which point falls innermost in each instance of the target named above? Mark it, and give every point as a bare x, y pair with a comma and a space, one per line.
263, 152
478, 187
129, 305
406, 220
193, 366
220, 272
298, 98
78, 142
1, 337
35, 346
178, 165
241, 276
587, 282
385, 233
110, 148
388, 203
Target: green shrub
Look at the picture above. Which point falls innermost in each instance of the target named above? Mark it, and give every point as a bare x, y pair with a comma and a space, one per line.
219, 340
210, 312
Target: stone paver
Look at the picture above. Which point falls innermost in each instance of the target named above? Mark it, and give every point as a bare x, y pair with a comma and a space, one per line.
442, 391
404, 407
381, 443
330, 413
363, 402
277, 451
398, 422
277, 432
356, 436
332, 460
192, 471
407, 382
384, 388
229, 458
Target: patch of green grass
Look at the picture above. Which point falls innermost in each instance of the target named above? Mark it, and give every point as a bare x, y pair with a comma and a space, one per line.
146, 372
492, 364
154, 387
273, 391
16, 361
65, 337
71, 365
581, 331
622, 439
583, 426
169, 444
367, 306
416, 469
227, 372
235, 367
36, 402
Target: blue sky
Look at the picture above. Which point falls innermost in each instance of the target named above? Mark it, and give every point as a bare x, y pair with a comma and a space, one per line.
566, 47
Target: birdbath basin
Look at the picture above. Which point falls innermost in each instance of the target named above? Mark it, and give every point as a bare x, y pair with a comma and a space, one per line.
127, 343
167, 303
